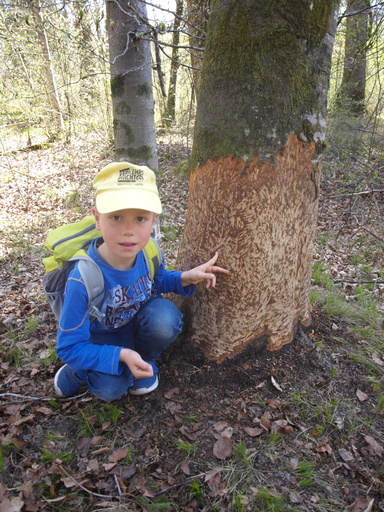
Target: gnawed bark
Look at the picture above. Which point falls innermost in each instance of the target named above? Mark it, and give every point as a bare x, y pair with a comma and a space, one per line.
263, 226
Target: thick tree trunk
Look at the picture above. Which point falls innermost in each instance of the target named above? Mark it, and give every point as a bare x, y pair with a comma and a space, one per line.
351, 96
131, 83
254, 190
197, 17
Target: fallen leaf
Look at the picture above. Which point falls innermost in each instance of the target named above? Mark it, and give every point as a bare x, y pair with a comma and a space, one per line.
264, 421
253, 432
377, 360
335, 327
11, 504
169, 394
187, 433
362, 505
294, 463
346, 455
275, 384
220, 426
361, 396
223, 448
324, 448
274, 403
185, 468
83, 446
227, 432
374, 446
117, 455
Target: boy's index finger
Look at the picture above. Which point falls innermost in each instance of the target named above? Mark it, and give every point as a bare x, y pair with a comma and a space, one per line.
212, 260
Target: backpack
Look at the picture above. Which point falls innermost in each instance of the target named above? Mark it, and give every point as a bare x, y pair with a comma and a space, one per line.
68, 244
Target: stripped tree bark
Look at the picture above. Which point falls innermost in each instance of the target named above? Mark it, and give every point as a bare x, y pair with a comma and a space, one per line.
260, 129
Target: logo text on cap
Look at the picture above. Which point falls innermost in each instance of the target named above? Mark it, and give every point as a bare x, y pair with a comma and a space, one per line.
129, 175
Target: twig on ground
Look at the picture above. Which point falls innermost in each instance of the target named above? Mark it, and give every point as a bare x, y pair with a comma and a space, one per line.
26, 398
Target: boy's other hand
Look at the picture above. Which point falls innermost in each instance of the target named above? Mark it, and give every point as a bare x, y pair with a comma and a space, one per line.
203, 273
139, 368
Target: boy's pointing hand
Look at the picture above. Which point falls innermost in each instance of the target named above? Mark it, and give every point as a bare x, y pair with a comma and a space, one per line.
203, 273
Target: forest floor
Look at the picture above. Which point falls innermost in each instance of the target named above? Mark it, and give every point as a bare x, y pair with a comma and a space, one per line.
301, 429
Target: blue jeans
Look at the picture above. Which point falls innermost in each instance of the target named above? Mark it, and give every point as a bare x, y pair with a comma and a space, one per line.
153, 328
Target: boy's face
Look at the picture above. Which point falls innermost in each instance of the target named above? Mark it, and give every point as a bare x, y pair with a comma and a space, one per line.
125, 234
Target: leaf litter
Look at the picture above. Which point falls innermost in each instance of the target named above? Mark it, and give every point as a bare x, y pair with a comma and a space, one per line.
301, 428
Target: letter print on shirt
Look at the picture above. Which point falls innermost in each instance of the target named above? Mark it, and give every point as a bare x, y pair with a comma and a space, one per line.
121, 303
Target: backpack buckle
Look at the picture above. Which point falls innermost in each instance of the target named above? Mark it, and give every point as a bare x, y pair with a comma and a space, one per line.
96, 313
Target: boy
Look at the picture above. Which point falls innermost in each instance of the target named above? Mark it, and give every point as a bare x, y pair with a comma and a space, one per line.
117, 352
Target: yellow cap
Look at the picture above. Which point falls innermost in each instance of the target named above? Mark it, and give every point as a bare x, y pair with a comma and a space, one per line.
123, 185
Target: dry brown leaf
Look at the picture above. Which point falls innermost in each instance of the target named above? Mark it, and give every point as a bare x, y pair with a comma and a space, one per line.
324, 448
169, 394
264, 421
361, 396
117, 455
275, 384
346, 455
294, 463
185, 468
187, 433
374, 447
377, 360
362, 505
223, 448
253, 432
220, 426
274, 403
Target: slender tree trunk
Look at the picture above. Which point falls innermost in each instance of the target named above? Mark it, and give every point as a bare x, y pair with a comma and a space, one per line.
171, 101
131, 83
260, 129
351, 95
49, 72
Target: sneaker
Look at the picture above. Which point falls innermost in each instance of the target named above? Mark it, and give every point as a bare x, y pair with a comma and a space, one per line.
144, 386
66, 382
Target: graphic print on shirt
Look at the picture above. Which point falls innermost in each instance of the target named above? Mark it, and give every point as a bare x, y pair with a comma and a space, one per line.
121, 303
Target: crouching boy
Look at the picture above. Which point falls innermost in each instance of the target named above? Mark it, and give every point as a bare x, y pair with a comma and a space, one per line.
118, 352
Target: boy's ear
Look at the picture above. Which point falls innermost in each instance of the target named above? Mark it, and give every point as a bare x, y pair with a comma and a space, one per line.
97, 217
155, 217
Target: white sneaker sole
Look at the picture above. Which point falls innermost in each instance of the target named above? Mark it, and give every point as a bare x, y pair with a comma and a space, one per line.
144, 391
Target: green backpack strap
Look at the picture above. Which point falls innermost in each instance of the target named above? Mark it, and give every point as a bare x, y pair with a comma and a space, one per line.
152, 256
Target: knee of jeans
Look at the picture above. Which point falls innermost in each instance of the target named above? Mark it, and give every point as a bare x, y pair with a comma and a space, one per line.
166, 327
107, 387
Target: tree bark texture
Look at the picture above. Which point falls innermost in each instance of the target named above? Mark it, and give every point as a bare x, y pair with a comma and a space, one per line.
254, 190
171, 101
197, 17
352, 90
131, 83
48, 66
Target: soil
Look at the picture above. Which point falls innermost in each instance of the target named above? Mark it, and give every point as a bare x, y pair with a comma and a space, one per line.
231, 436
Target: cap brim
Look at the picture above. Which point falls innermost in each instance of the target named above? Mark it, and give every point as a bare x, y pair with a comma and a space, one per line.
115, 200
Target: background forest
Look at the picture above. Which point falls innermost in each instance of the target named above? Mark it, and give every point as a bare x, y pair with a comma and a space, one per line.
299, 430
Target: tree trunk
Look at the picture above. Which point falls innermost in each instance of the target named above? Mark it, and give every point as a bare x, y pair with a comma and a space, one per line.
260, 128
131, 83
49, 72
351, 95
197, 17
171, 101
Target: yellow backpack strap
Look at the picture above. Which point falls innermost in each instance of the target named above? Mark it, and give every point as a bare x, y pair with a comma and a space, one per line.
152, 256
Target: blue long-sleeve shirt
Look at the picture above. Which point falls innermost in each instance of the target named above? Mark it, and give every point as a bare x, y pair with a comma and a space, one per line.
125, 292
